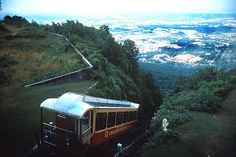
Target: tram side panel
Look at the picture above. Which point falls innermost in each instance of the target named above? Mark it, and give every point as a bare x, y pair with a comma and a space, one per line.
109, 134
104, 133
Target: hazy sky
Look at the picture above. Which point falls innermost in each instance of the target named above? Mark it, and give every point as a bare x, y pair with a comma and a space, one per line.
95, 7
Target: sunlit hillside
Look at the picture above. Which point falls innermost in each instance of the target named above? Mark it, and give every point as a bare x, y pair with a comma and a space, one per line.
28, 54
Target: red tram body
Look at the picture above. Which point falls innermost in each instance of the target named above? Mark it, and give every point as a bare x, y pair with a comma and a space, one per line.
75, 121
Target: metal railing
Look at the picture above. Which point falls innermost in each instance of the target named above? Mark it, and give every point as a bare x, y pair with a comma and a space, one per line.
67, 74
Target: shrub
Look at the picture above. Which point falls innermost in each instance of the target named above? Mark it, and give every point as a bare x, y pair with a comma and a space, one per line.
204, 90
175, 109
174, 117
206, 100
232, 81
161, 137
219, 87
7, 61
191, 82
15, 21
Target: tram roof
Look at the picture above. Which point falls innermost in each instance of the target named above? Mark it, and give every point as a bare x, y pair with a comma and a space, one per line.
77, 104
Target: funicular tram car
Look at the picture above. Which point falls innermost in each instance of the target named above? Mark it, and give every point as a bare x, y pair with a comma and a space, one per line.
75, 121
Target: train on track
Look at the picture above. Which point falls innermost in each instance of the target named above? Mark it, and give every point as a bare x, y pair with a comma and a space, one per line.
76, 122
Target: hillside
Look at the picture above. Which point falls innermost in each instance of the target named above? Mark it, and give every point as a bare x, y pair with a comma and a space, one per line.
201, 117
205, 135
115, 65
30, 52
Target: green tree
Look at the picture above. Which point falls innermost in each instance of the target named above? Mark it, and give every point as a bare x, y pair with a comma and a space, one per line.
104, 28
131, 52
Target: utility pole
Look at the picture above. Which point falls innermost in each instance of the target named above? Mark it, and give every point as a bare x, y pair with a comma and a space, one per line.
0, 4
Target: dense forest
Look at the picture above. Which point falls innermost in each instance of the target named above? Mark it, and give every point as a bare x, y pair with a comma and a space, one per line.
166, 75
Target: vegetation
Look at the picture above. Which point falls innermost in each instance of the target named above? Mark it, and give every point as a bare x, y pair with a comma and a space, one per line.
206, 134
30, 52
203, 91
15, 21
115, 65
167, 75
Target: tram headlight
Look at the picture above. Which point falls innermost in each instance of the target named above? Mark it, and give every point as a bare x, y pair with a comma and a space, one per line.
67, 142
45, 136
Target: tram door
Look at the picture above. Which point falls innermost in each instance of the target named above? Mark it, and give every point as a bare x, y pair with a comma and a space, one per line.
84, 127
67, 122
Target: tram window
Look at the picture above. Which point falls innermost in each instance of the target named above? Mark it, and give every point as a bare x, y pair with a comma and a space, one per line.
125, 118
130, 116
85, 120
111, 119
101, 120
119, 118
134, 115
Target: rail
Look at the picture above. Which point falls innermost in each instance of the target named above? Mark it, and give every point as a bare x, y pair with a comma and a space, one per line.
124, 151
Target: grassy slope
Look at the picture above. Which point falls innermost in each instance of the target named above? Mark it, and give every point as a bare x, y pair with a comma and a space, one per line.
207, 134
20, 113
37, 58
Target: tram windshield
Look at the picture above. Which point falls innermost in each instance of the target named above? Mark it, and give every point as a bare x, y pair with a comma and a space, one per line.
65, 127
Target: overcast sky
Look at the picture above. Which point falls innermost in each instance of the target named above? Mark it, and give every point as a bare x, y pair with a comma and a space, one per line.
95, 7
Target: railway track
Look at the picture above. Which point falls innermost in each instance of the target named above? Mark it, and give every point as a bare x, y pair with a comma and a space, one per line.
131, 142
133, 145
